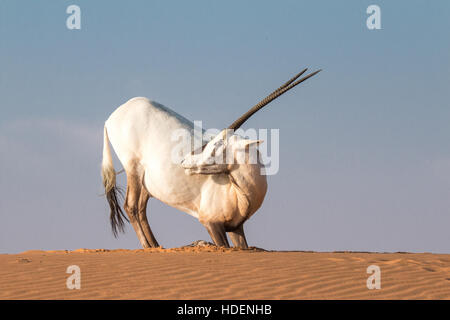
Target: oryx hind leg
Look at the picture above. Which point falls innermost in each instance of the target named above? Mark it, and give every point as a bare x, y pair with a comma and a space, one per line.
136, 203
143, 200
217, 232
237, 236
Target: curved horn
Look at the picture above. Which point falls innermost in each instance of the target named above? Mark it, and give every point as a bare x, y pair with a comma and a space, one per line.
284, 88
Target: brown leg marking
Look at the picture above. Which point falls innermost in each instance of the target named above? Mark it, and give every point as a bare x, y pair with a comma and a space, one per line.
217, 233
238, 237
143, 199
131, 206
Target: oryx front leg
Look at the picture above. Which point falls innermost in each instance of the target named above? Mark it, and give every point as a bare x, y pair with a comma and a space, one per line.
237, 236
217, 232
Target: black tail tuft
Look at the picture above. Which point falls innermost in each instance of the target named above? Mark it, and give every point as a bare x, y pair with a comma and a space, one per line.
117, 216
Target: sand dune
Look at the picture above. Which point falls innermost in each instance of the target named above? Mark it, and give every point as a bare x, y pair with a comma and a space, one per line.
216, 273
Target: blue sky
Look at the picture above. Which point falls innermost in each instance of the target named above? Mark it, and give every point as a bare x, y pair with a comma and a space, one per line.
364, 146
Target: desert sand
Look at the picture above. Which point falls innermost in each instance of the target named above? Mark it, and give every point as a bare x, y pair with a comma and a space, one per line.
216, 273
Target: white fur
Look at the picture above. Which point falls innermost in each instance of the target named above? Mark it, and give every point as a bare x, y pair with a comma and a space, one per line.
140, 132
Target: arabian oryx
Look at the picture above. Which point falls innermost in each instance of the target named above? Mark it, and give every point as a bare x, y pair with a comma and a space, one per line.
222, 196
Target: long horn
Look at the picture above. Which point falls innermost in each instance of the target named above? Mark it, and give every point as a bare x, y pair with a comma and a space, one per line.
284, 88
290, 81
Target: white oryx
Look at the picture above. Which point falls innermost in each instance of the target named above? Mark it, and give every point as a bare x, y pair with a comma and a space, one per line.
222, 196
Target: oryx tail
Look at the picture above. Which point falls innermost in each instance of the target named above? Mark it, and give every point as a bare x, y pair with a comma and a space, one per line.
112, 192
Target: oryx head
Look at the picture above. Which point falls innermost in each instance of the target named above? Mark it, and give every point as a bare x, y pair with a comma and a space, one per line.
227, 149
221, 154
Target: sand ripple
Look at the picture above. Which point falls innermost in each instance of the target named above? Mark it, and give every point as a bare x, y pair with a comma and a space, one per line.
209, 272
